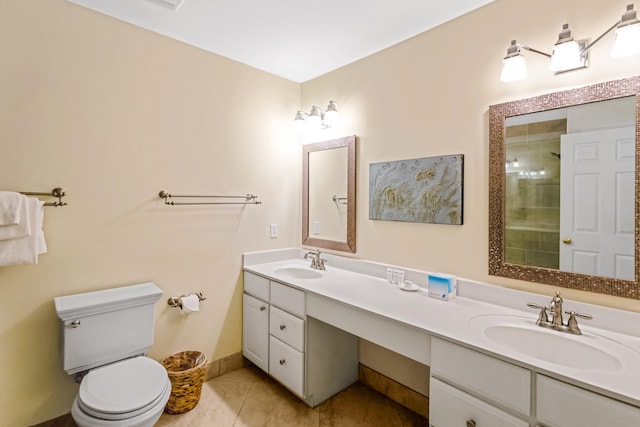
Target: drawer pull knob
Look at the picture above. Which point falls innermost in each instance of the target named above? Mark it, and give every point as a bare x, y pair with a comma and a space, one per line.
282, 361
283, 327
73, 324
471, 423
263, 308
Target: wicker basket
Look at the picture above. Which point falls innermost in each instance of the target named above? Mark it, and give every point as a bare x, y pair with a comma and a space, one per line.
186, 371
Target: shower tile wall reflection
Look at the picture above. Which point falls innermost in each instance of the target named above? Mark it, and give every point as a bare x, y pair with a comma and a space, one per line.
532, 235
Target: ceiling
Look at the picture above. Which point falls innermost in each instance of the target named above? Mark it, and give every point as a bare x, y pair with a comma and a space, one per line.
293, 39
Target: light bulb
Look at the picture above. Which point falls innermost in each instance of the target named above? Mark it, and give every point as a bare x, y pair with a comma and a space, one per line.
627, 41
331, 114
514, 68
566, 56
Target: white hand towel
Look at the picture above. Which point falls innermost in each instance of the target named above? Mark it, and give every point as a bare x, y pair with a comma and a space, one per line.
10, 204
26, 249
23, 229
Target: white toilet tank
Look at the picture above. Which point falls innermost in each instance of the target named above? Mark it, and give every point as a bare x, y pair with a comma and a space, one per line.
106, 326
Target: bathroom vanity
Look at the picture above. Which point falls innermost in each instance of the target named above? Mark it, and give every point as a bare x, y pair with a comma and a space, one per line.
490, 364
275, 338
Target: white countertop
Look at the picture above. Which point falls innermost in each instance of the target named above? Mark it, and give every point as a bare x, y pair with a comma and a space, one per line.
360, 284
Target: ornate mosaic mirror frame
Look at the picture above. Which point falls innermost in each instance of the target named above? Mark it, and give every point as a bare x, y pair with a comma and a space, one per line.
497, 184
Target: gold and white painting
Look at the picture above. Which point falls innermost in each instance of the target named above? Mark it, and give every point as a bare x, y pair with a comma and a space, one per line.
427, 190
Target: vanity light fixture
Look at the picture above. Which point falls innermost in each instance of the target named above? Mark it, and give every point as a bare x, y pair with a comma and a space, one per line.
532, 174
512, 163
317, 119
569, 54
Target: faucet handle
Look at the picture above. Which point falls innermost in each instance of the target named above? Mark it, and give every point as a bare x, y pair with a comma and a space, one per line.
572, 323
542, 317
580, 315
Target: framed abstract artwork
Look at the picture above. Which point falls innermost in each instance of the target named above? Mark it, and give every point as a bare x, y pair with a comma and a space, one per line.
427, 190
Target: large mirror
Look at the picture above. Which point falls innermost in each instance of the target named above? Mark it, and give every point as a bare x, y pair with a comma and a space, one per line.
564, 189
329, 194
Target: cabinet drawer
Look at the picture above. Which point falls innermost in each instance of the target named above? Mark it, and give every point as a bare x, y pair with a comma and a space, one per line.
563, 405
286, 364
257, 286
449, 406
287, 298
287, 328
492, 378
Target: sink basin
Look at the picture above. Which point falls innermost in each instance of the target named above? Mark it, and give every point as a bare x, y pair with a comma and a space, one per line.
523, 336
299, 272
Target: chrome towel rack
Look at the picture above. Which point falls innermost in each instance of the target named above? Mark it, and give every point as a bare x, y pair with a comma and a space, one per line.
56, 192
340, 200
249, 199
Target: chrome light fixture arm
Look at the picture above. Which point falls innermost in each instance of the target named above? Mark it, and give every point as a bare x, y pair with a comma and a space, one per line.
530, 49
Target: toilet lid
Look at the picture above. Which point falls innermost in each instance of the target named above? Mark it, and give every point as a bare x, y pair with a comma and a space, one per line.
123, 389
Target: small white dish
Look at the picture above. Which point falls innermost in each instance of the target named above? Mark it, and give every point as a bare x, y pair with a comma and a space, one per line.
409, 287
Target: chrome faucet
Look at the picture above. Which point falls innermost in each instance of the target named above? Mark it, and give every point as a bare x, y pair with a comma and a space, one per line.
552, 317
555, 310
317, 263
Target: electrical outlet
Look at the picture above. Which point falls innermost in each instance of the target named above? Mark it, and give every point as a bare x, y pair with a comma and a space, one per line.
273, 231
316, 227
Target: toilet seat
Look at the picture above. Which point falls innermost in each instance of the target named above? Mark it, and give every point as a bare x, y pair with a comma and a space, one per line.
124, 389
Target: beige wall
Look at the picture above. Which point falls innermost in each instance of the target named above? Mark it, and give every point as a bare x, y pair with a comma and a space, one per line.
430, 96
114, 113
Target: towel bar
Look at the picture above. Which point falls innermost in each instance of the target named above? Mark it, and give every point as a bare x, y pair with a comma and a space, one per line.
250, 199
340, 200
56, 192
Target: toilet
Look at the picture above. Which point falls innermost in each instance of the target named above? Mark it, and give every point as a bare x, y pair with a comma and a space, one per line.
104, 338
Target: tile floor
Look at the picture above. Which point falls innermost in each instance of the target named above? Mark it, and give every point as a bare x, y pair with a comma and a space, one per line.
248, 397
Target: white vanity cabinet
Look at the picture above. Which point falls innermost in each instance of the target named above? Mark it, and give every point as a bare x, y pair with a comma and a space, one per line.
304, 332
469, 388
563, 405
311, 358
472, 389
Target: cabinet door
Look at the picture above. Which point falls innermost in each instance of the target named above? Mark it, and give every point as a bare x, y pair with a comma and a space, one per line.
563, 405
450, 407
255, 331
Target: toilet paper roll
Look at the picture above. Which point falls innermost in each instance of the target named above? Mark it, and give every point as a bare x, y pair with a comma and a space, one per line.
189, 303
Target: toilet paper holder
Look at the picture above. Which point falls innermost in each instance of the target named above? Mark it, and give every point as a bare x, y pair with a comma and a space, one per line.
175, 302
